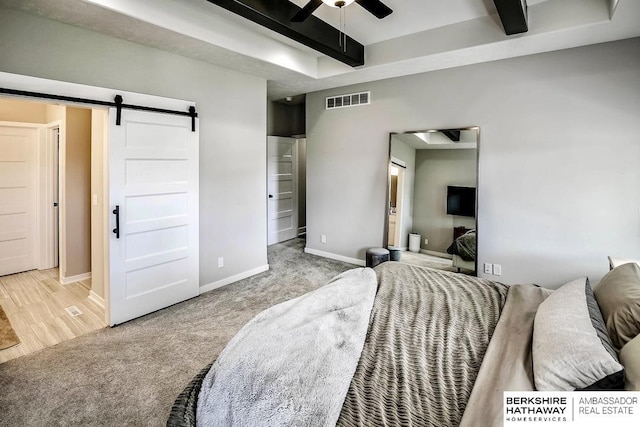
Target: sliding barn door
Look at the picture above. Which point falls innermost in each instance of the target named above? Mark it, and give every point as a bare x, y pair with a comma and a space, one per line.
153, 185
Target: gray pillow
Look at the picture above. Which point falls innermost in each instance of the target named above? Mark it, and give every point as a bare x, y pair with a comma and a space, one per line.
630, 358
618, 295
571, 349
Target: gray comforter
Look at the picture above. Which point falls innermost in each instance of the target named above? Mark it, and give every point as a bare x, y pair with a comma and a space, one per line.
427, 337
423, 356
464, 246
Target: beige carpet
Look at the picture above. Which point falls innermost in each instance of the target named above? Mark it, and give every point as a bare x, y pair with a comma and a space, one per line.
8, 337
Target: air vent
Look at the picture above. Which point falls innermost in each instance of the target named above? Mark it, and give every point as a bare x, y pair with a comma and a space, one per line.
73, 311
349, 100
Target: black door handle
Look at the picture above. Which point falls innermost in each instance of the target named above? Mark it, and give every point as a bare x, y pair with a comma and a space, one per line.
271, 196
116, 230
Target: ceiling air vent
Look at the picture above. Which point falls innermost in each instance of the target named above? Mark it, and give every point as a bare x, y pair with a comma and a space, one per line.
349, 100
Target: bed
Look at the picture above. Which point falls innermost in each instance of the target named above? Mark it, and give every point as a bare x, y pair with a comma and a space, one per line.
409, 345
463, 251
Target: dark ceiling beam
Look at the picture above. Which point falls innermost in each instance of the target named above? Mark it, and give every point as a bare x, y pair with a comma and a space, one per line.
513, 14
313, 32
452, 134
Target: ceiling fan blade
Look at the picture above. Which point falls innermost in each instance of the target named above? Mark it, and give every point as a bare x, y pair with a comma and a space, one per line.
306, 11
375, 7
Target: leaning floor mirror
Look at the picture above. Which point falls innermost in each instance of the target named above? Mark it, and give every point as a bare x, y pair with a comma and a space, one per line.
432, 198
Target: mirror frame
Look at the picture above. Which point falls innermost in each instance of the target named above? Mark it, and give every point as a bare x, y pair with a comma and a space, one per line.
385, 237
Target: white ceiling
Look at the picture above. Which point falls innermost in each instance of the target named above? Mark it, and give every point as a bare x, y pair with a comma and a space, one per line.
419, 36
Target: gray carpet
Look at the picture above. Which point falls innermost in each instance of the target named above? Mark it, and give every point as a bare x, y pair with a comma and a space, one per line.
424, 260
131, 374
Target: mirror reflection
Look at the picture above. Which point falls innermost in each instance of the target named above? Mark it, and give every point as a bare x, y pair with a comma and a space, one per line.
432, 198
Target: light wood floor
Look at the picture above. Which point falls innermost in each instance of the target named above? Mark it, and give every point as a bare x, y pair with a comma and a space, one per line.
35, 303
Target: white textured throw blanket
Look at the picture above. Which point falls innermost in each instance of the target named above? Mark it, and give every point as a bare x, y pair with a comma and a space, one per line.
292, 363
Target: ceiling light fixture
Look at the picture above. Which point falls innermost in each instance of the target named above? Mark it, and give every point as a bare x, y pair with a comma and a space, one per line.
340, 4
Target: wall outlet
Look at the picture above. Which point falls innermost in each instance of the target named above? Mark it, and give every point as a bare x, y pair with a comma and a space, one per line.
220, 262
488, 268
497, 269
426, 241
323, 239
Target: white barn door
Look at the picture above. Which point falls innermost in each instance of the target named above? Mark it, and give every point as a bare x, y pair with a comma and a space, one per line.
153, 182
18, 168
282, 188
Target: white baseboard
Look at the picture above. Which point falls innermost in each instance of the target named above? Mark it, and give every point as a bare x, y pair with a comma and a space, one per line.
329, 255
438, 254
233, 279
96, 299
76, 278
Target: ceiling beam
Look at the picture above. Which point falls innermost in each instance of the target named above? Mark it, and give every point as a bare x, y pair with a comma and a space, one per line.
312, 32
452, 134
513, 14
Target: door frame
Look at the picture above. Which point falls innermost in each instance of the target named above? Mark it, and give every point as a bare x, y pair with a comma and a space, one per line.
294, 183
49, 185
397, 237
76, 90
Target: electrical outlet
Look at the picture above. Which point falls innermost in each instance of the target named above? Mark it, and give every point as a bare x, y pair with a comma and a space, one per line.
488, 268
497, 269
220, 262
426, 241
323, 239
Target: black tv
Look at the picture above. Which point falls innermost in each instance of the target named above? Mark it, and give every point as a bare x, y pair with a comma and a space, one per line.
461, 201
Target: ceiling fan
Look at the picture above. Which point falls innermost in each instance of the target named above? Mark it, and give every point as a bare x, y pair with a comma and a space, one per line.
375, 7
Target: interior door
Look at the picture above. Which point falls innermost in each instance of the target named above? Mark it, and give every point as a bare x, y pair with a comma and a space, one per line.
18, 169
282, 198
153, 186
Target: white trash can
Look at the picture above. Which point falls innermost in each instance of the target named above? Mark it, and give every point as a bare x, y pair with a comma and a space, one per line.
414, 242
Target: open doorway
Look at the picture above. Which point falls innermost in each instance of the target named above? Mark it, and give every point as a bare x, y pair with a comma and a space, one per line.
47, 291
287, 159
396, 192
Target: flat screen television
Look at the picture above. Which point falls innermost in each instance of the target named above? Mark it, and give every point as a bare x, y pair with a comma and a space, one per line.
461, 201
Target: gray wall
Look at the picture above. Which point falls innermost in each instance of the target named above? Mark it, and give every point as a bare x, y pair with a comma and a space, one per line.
559, 176
435, 170
77, 192
231, 108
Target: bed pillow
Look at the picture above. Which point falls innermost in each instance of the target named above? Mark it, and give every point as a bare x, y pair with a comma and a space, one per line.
571, 349
630, 358
617, 262
618, 295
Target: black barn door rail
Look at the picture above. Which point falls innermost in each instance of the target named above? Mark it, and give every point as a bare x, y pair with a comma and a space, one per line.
117, 103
